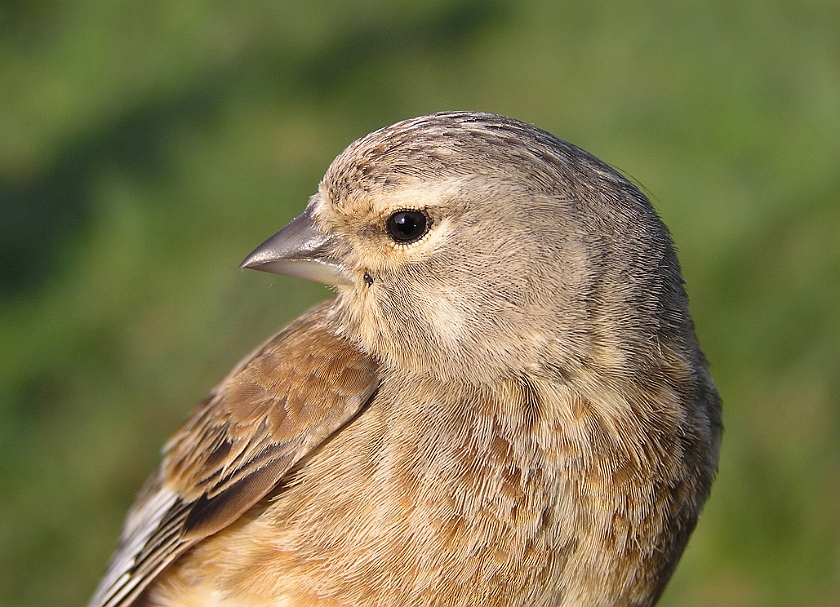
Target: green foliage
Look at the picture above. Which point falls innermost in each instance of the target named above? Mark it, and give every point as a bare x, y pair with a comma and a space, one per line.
146, 148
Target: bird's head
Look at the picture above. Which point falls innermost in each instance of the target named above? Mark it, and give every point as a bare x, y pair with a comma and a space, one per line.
474, 246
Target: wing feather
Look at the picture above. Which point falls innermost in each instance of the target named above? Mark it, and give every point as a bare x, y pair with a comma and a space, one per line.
278, 405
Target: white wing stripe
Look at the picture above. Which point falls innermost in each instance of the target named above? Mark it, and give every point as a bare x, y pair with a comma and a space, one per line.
139, 528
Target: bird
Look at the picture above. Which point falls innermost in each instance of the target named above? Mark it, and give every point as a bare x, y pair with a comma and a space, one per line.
503, 401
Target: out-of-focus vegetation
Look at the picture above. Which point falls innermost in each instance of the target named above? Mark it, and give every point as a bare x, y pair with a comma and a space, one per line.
146, 147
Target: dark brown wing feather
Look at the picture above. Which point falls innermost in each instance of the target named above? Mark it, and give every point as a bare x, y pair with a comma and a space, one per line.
274, 408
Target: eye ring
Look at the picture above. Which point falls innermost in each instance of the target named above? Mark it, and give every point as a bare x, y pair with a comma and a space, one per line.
407, 225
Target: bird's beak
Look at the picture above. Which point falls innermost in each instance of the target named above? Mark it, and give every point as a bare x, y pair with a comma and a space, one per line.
300, 250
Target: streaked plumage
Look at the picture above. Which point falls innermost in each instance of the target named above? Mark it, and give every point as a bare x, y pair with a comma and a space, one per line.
503, 404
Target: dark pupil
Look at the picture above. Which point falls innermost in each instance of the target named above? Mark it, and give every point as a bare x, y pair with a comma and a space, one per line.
405, 226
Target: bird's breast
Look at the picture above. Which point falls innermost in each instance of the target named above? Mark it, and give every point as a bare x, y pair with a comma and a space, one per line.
434, 495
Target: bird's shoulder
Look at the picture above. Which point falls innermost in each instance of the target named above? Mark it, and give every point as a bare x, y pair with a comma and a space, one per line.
274, 408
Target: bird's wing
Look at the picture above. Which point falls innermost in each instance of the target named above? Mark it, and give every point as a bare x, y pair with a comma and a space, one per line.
277, 406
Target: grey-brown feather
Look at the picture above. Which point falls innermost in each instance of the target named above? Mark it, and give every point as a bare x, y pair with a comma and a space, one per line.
545, 430
236, 447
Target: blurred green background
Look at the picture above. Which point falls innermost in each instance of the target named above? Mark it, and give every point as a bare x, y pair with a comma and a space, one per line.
147, 147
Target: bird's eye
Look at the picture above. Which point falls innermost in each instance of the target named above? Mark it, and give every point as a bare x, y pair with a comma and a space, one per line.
405, 227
